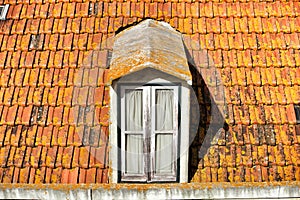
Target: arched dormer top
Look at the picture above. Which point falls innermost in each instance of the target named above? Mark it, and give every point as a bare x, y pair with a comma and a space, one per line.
150, 44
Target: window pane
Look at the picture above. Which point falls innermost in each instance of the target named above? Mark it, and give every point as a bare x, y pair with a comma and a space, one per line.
134, 163
164, 110
134, 110
163, 153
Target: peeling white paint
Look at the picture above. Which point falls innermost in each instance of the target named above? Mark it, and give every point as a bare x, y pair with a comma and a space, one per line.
45, 194
288, 190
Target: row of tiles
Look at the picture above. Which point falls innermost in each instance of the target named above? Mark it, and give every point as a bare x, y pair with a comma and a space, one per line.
87, 47
245, 43
56, 9
71, 135
255, 135
253, 76
251, 155
49, 175
94, 115
99, 96
52, 58
95, 78
53, 157
54, 96
265, 95
48, 115
58, 106
260, 114
110, 24
21, 136
96, 45
146, 1
256, 173
203, 52
17, 49
56, 42
53, 77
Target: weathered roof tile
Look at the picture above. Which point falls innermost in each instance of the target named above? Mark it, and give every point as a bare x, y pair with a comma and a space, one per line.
75, 160
82, 175
91, 175
67, 157
24, 175
73, 175
84, 157
59, 101
11, 115
56, 175
51, 156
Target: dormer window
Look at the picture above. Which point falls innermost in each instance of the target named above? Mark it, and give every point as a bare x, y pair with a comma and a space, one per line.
150, 105
3, 11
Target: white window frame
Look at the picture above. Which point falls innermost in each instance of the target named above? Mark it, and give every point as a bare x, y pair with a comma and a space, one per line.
149, 134
4, 11
125, 176
184, 129
173, 176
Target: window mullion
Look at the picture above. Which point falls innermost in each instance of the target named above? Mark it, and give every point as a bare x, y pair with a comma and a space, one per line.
175, 134
152, 134
147, 141
123, 131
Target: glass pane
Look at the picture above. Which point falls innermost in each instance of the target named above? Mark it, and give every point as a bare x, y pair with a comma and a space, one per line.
164, 110
134, 163
134, 110
163, 153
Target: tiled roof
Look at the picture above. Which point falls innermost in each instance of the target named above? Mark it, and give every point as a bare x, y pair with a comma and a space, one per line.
54, 102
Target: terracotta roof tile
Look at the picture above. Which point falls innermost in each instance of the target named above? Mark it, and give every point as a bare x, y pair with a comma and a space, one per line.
56, 175
75, 159
63, 136
67, 157
91, 175
42, 161
49, 115
84, 157
40, 175
4, 155
94, 136
58, 162
15, 136
51, 156
73, 175
57, 116
220, 9
24, 175
82, 175
59, 101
